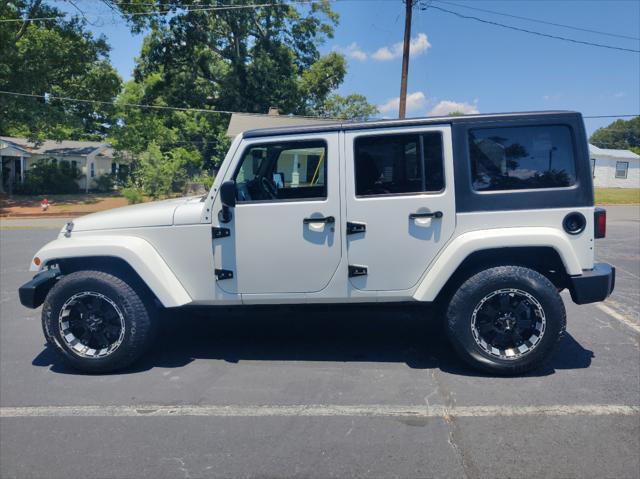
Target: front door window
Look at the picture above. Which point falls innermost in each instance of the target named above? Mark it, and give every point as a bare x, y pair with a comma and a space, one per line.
283, 171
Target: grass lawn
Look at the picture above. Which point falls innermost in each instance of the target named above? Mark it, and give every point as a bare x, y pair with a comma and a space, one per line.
617, 196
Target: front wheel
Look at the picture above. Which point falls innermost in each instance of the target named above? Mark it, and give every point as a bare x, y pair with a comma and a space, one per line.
96, 321
506, 320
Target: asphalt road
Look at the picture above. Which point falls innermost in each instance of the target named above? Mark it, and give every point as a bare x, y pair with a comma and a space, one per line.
323, 393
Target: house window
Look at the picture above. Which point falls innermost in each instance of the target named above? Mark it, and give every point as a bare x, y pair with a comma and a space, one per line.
74, 165
622, 169
593, 168
114, 168
93, 170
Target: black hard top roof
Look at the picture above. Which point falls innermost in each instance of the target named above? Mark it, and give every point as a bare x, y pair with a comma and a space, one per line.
431, 120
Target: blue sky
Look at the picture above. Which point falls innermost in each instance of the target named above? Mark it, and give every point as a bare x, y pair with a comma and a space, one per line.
471, 66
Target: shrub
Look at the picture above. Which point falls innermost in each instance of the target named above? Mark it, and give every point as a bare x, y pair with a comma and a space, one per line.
48, 177
105, 183
133, 195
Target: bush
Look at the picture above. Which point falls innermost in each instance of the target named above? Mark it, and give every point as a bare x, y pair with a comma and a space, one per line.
133, 195
48, 177
198, 183
105, 183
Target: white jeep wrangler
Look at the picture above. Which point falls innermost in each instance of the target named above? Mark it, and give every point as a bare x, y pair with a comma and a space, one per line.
489, 216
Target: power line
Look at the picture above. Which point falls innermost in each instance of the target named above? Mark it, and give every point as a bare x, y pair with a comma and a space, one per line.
160, 12
529, 19
202, 110
532, 32
141, 105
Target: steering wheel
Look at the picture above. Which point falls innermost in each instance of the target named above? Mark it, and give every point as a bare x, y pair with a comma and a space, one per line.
269, 188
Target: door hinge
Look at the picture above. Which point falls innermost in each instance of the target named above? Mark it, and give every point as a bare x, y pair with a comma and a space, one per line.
223, 274
354, 227
220, 232
357, 270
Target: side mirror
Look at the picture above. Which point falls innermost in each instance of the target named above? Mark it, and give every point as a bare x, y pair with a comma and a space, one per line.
228, 193
228, 199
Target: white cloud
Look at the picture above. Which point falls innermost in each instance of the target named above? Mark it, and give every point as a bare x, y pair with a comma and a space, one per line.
417, 46
620, 94
415, 101
446, 106
353, 51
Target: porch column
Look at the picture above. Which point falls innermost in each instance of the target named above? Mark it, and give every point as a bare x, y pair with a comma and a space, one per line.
21, 168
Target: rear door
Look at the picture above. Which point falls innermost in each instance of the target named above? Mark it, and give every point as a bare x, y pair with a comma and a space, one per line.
400, 204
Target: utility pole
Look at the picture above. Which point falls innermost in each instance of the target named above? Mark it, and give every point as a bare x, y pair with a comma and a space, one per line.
405, 58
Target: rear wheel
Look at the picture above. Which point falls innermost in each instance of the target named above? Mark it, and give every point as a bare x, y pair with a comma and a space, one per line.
97, 321
506, 320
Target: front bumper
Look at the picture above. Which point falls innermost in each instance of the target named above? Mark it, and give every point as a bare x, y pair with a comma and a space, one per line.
593, 285
33, 293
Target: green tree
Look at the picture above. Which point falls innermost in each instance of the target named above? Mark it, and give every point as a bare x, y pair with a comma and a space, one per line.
58, 57
242, 59
350, 107
621, 134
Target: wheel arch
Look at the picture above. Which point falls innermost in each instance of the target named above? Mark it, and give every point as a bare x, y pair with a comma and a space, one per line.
542, 249
543, 259
131, 257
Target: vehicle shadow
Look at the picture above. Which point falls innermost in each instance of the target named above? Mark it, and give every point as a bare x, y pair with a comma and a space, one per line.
353, 333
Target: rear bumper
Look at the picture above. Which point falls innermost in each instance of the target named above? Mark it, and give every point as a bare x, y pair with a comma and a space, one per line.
33, 293
593, 285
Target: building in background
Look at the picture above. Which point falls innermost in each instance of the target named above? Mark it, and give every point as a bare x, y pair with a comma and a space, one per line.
91, 158
614, 168
241, 122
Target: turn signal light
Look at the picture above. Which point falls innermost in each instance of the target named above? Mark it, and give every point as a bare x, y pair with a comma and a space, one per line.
36, 261
600, 223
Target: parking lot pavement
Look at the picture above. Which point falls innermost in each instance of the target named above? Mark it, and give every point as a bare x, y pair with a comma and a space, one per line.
324, 392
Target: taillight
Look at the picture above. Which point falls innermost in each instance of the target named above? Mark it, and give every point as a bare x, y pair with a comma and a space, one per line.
600, 223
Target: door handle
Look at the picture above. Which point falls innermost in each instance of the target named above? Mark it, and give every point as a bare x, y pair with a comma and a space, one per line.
326, 220
435, 214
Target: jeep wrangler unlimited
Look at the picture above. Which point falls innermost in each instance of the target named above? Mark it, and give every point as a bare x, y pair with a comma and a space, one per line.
488, 216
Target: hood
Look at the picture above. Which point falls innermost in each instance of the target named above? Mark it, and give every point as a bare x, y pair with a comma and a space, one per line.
157, 213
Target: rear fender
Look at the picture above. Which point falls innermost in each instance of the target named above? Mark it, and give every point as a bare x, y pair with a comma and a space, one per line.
466, 244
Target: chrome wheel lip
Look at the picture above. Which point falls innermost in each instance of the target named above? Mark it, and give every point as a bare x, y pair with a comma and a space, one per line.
528, 345
74, 344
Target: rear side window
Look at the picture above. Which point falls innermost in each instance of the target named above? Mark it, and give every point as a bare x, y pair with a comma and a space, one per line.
398, 164
515, 158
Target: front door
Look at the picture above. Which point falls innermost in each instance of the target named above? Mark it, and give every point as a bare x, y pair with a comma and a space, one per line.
400, 204
284, 235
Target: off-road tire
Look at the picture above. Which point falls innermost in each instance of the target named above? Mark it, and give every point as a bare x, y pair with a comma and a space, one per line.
137, 311
460, 310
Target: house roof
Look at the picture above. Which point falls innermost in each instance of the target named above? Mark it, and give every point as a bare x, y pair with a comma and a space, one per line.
60, 148
622, 154
241, 122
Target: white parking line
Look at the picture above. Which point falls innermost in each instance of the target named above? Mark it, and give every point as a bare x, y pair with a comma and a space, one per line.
615, 315
372, 410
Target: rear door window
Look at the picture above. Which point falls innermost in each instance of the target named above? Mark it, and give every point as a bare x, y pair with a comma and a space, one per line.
527, 157
399, 164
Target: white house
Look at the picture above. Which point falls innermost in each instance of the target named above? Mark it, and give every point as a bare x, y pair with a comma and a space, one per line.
92, 159
614, 168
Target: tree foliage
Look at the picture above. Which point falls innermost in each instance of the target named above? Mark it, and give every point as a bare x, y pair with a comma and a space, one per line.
195, 56
350, 107
50, 177
58, 57
621, 134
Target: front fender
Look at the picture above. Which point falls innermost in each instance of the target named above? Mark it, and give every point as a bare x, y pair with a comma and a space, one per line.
136, 252
464, 245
